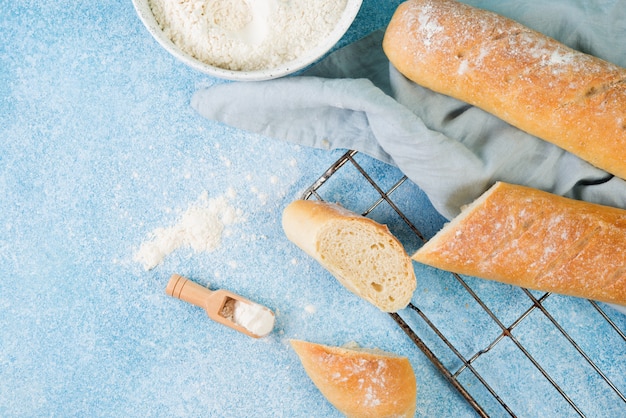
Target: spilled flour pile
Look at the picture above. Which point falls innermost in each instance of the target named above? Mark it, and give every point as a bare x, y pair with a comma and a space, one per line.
201, 228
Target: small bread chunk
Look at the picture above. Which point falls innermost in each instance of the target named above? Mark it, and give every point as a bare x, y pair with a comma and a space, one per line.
361, 253
360, 382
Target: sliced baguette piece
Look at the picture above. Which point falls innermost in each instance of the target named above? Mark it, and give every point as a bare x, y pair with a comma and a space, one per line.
361, 253
536, 240
537, 84
360, 382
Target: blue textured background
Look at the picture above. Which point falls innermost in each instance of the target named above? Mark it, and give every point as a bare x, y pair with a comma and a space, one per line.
98, 147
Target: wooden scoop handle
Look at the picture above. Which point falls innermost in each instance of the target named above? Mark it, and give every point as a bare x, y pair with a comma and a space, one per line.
184, 289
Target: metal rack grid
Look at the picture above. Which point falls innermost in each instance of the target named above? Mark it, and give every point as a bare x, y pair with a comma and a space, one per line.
462, 373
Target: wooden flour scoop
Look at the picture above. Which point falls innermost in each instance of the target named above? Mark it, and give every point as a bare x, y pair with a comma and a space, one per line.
224, 307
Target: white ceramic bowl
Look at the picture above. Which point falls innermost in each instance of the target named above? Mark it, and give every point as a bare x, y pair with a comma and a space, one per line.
147, 17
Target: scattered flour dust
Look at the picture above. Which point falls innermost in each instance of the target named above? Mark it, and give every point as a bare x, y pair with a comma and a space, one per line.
247, 34
200, 227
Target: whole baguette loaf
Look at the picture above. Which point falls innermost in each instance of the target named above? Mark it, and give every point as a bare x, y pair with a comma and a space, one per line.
571, 99
360, 383
537, 240
361, 253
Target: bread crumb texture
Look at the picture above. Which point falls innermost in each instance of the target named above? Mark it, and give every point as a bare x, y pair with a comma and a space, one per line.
369, 261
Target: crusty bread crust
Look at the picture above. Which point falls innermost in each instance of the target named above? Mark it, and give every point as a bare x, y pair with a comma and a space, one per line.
360, 383
573, 100
537, 240
361, 253
302, 220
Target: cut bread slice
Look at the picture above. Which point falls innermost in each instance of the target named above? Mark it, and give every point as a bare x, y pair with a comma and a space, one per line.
360, 382
536, 240
361, 253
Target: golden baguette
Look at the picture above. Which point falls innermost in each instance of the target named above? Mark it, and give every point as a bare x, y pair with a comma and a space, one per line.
537, 240
571, 99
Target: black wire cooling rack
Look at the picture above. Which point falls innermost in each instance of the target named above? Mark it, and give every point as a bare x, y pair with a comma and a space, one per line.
479, 374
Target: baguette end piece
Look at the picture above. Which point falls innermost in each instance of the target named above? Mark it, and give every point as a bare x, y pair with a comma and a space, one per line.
360, 382
430, 253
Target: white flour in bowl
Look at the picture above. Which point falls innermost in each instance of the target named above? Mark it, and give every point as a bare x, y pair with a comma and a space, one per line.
247, 35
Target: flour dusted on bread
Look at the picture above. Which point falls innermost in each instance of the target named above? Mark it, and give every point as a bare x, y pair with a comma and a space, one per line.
361, 253
537, 240
573, 100
360, 382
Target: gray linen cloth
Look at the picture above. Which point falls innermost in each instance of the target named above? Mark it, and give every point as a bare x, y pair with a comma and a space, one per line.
354, 99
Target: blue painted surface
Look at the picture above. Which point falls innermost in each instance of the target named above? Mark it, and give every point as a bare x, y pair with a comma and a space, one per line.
99, 147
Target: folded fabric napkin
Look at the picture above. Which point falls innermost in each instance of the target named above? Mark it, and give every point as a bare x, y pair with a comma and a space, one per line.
354, 99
